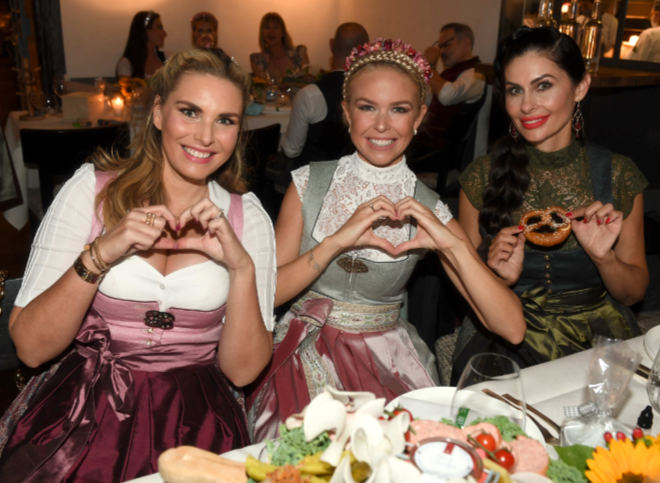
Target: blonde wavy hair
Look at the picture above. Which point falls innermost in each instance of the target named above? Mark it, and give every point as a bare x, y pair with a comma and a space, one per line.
139, 176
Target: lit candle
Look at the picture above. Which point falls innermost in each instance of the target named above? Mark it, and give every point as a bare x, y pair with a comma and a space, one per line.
117, 105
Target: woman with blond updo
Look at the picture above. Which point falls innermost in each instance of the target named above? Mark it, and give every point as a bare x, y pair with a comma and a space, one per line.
349, 234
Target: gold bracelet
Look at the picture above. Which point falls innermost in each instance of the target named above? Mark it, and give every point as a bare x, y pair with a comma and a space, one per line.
313, 263
98, 259
82, 271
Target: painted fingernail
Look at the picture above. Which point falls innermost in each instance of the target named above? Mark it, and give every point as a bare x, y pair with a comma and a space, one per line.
521, 228
598, 221
584, 220
607, 220
569, 214
178, 226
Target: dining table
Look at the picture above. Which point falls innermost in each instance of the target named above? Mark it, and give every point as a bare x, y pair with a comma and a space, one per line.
549, 387
27, 176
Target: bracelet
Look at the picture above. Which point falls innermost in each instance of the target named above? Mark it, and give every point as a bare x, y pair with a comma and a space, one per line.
82, 271
313, 263
96, 256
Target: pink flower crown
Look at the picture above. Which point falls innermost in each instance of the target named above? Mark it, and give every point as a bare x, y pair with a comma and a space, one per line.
388, 50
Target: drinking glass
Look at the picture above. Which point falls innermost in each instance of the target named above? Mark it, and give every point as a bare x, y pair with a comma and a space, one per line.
492, 372
653, 383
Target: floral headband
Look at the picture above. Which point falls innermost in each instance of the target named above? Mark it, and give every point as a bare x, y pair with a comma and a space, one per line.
388, 50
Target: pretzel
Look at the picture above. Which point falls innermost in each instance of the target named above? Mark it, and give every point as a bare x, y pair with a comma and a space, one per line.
547, 227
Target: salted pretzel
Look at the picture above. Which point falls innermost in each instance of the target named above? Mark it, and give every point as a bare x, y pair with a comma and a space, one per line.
547, 227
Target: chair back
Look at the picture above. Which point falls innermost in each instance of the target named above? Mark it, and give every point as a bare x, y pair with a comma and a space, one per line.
57, 153
8, 291
262, 144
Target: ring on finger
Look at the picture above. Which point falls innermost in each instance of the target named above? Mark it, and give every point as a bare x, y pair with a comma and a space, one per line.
149, 218
372, 208
221, 213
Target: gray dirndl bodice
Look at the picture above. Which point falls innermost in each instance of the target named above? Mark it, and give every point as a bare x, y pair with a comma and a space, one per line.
381, 282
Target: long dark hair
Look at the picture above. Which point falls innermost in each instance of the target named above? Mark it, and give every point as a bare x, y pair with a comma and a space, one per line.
509, 178
136, 45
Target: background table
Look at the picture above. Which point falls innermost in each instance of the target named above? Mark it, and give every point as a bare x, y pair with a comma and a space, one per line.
28, 178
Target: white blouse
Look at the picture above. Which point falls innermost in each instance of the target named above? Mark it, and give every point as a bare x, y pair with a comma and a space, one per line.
68, 223
355, 182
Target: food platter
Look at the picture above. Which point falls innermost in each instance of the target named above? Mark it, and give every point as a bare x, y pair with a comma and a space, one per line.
434, 403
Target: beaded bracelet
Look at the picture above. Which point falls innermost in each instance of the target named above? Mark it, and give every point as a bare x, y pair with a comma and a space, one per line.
84, 273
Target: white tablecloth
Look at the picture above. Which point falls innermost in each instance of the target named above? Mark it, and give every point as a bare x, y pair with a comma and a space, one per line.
548, 387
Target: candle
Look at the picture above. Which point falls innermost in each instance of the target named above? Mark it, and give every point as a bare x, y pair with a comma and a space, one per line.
117, 105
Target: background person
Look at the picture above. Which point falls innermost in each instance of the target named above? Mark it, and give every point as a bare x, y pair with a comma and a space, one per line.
581, 288
143, 55
204, 28
169, 309
316, 129
278, 56
647, 47
458, 94
346, 248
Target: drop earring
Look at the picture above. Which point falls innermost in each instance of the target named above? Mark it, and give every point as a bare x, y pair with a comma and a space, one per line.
578, 121
513, 132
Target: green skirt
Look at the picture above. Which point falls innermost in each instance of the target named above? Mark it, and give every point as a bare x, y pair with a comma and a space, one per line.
558, 324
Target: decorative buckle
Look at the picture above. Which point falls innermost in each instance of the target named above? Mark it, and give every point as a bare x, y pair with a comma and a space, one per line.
160, 320
352, 265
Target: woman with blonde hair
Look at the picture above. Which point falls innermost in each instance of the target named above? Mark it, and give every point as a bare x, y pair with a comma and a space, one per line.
349, 234
278, 56
150, 287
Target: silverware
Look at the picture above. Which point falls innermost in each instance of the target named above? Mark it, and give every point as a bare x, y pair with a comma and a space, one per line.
643, 371
532, 409
547, 435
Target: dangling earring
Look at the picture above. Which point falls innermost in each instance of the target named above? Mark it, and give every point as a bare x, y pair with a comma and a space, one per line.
578, 121
415, 132
349, 129
513, 132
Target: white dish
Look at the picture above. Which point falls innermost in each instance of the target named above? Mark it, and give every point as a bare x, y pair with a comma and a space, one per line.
435, 402
652, 342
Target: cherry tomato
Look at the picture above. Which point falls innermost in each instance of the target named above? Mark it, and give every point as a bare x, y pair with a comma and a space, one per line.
505, 459
607, 436
486, 440
637, 433
620, 435
402, 410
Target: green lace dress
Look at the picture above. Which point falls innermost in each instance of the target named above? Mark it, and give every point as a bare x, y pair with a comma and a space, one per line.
564, 301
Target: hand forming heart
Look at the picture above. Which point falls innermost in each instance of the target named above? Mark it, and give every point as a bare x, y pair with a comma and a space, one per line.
358, 231
202, 227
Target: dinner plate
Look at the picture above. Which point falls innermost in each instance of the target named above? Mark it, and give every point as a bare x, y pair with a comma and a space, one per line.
652, 341
435, 402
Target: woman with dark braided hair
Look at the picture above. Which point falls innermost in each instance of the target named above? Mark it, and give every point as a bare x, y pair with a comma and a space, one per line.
580, 288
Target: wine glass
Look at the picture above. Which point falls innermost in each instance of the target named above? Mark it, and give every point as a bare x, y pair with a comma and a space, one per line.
488, 373
653, 383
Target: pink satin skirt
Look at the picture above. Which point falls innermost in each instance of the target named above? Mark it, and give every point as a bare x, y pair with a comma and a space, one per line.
352, 347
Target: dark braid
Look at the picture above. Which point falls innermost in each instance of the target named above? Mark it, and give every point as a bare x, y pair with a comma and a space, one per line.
509, 179
507, 183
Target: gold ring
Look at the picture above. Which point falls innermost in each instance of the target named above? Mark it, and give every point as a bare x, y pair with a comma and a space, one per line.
150, 217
